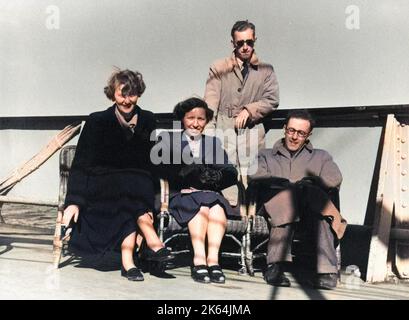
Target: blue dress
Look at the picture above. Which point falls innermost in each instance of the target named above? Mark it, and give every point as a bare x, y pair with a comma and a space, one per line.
196, 181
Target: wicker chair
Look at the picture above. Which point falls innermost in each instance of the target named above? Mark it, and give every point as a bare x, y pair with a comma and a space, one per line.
59, 245
237, 230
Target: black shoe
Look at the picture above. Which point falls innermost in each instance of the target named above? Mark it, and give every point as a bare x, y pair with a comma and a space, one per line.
275, 276
162, 255
200, 274
216, 274
133, 274
326, 281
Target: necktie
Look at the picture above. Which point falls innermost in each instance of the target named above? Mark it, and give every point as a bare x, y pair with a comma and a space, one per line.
245, 70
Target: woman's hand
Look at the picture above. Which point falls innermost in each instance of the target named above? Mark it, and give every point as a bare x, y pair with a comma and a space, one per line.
69, 212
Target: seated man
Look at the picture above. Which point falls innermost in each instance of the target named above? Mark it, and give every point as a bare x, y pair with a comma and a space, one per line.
297, 184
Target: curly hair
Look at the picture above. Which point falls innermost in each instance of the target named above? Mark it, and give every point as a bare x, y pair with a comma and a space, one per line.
187, 105
132, 81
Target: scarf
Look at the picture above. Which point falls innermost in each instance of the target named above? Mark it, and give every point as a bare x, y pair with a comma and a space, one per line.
128, 126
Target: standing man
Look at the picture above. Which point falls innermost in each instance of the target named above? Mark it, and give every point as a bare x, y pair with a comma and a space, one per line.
241, 91
300, 184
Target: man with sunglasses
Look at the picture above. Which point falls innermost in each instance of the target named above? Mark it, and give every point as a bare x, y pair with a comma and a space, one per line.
241, 91
298, 183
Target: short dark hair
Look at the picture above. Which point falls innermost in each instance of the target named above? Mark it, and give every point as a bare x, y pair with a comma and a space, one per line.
187, 105
243, 25
300, 114
132, 81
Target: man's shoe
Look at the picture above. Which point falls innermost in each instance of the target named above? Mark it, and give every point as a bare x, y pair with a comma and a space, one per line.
162, 255
133, 274
275, 276
326, 281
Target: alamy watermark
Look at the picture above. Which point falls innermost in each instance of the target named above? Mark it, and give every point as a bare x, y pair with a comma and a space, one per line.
352, 21
52, 278
230, 146
52, 21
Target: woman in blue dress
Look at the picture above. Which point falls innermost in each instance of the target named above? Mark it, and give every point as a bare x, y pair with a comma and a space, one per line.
198, 168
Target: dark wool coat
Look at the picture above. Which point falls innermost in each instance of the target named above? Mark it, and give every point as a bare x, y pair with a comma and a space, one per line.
110, 180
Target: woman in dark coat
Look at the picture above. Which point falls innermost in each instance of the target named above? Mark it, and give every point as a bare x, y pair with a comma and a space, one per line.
110, 189
197, 166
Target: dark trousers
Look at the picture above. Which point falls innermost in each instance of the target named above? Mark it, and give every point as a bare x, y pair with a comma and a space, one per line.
279, 246
307, 205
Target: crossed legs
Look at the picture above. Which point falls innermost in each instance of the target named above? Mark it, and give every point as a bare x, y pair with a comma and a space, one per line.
147, 232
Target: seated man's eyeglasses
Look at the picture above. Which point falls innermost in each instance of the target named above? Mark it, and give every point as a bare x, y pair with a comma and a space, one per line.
249, 42
300, 133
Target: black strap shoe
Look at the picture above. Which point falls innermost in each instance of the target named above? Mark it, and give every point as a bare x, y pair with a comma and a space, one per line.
216, 274
133, 274
327, 281
200, 274
275, 277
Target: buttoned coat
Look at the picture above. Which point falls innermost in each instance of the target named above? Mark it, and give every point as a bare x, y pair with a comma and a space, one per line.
173, 155
277, 162
227, 93
110, 181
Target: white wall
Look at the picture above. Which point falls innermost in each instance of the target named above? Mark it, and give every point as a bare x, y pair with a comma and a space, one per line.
318, 60
19, 146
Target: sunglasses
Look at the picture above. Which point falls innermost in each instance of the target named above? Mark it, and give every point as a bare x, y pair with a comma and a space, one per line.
241, 43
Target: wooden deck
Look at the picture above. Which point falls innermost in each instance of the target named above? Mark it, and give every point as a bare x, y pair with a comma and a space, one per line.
26, 272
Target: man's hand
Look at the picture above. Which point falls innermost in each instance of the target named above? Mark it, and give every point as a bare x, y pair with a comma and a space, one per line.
69, 212
242, 118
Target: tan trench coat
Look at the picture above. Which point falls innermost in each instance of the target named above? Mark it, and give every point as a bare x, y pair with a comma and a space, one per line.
227, 93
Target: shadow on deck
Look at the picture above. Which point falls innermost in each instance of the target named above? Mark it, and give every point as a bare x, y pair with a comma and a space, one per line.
26, 273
